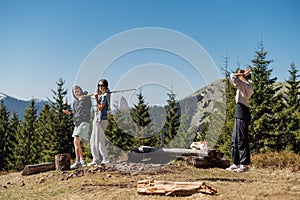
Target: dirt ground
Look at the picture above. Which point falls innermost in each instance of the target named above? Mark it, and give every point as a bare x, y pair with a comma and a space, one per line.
112, 183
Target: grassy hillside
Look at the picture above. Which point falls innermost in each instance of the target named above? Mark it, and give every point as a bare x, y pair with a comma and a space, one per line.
97, 183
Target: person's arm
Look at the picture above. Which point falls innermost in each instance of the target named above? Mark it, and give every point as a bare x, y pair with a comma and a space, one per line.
100, 105
235, 79
67, 112
247, 72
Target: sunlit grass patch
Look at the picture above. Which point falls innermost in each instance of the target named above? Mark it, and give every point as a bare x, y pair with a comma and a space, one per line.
277, 160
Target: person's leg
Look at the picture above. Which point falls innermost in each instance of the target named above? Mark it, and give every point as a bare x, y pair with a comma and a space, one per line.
234, 143
78, 153
75, 135
78, 149
243, 143
234, 148
102, 147
243, 146
94, 142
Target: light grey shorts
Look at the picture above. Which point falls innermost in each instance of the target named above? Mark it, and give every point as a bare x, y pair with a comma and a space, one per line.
82, 131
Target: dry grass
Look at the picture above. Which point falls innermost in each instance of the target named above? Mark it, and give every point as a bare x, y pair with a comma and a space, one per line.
277, 160
255, 184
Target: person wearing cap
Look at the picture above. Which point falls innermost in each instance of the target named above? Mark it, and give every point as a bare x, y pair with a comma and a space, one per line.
239, 141
81, 115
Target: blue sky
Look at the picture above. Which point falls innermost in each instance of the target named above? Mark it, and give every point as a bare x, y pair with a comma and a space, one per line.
42, 41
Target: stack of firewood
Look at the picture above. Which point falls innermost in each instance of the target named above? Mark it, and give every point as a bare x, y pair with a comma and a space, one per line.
201, 158
213, 159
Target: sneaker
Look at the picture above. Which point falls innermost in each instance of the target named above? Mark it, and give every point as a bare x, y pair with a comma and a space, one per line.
83, 163
75, 165
232, 168
242, 168
93, 163
105, 161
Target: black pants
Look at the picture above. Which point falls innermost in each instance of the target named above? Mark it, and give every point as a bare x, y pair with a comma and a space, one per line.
240, 143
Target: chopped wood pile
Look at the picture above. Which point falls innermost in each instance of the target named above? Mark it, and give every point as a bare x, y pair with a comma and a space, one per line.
202, 158
169, 188
213, 159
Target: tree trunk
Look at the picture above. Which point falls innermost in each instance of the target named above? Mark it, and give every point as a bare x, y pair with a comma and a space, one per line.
62, 161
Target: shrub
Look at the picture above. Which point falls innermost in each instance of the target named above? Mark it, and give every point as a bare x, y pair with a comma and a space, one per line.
277, 160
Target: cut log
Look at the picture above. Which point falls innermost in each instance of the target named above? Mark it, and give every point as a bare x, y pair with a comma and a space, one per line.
204, 158
37, 168
207, 162
62, 161
171, 151
151, 187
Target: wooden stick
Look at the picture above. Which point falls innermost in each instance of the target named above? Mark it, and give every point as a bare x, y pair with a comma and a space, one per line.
115, 91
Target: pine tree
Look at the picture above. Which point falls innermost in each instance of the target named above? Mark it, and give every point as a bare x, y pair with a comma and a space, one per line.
27, 151
14, 127
261, 102
117, 137
292, 100
124, 120
141, 117
62, 124
293, 89
171, 126
277, 140
186, 134
45, 129
224, 141
4, 131
139, 113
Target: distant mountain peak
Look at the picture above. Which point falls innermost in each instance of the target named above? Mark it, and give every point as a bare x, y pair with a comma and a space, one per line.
13, 104
2, 96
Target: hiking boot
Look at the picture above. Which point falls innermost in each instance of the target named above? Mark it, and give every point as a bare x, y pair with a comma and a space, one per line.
105, 161
232, 168
75, 165
242, 168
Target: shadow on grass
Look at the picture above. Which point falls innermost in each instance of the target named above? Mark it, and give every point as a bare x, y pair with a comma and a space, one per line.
224, 179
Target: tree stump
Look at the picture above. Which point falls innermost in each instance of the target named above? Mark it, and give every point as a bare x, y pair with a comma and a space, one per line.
62, 161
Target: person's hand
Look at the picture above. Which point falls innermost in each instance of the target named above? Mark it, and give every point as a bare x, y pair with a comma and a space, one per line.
247, 72
67, 112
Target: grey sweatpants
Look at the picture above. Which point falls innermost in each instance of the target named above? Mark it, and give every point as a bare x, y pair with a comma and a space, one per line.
240, 143
97, 141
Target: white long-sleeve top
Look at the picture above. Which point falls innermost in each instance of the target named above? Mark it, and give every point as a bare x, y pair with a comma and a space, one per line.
244, 90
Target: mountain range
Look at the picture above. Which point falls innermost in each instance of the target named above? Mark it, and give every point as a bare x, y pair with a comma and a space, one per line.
195, 106
16, 105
